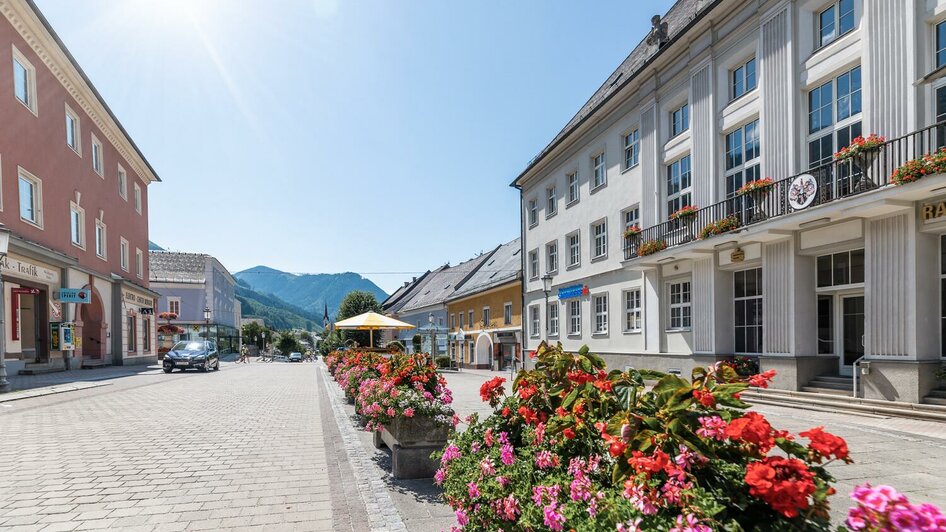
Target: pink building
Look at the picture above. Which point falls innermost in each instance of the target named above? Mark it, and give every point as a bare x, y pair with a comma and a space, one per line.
74, 193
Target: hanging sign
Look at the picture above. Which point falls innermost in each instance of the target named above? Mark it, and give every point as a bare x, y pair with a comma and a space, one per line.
146, 310
570, 292
55, 310
75, 295
802, 191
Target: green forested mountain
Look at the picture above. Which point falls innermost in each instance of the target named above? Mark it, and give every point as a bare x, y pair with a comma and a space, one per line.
275, 312
310, 292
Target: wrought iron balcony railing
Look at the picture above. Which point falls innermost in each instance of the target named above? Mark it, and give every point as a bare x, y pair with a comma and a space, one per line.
819, 185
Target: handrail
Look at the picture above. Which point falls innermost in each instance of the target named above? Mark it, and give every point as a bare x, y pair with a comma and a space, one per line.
835, 180
855, 365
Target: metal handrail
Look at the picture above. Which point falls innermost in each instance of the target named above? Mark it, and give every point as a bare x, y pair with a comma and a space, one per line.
856, 371
835, 180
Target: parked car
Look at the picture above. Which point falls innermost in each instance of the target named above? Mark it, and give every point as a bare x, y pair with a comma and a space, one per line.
201, 355
280, 358
295, 357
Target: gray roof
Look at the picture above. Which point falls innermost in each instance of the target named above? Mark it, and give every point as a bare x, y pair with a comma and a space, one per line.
677, 19
442, 283
176, 267
503, 266
403, 295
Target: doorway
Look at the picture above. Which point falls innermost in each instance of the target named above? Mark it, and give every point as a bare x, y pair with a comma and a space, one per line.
93, 328
32, 323
841, 328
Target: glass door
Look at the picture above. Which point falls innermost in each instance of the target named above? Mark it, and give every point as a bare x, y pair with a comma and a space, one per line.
852, 332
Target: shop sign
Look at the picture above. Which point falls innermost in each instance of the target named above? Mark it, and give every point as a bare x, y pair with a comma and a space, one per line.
932, 211
570, 292
75, 295
136, 299
737, 255
15, 294
11, 265
55, 340
802, 191
146, 310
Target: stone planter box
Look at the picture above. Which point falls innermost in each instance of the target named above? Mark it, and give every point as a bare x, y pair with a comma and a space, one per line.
411, 441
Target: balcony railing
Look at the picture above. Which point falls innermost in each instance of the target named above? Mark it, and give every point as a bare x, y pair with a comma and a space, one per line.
827, 183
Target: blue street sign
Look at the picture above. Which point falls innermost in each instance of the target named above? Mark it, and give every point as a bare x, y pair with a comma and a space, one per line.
569, 292
75, 295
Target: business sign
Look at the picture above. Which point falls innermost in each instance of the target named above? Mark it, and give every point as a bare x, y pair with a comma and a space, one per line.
55, 339
571, 292
75, 295
932, 211
146, 310
802, 191
67, 337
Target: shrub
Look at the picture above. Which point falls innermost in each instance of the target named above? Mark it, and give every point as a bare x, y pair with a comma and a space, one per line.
442, 361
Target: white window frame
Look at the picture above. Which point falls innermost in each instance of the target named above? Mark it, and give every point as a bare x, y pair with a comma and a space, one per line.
37, 186
98, 157
172, 301
683, 196
145, 335
756, 297
486, 317
18, 57
552, 318
632, 148
734, 76
139, 263
633, 311
599, 241
122, 183
137, 198
599, 170
507, 313
131, 323
574, 188
460, 323
574, 317
680, 313
77, 214
533, 212
836, 125
124, 252
748, 169
77, 130
820, 41
551, 202
683, 112
574, 248
101, 240
599, 303
534, 321
551, 257
534, 264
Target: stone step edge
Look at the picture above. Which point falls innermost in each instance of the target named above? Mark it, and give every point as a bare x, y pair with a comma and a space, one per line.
872, 406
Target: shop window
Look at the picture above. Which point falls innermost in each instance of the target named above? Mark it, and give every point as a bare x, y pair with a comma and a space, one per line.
748, 307
839, 269
132, 335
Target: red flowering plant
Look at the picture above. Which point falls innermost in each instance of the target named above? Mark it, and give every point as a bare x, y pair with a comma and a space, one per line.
719, 227
407, 386
684, 212
632, 230
910, 171
758, 184
577, 447
649, 247
860, 145
354, 367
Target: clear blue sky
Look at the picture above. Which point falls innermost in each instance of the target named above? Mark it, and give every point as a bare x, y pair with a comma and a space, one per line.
344, 135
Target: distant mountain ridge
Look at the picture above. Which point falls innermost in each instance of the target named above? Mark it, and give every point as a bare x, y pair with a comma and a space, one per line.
309, 292
275, 312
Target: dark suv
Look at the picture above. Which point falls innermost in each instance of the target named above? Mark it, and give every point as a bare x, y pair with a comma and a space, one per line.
199, 354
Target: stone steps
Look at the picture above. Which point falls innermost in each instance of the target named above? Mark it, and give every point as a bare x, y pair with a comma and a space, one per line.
830, 402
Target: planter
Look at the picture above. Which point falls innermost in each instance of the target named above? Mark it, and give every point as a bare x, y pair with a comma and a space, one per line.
349, 398
864, 161
411, 441
690, 223
758, 197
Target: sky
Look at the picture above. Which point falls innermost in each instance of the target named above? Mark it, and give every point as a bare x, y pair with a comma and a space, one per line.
322, 136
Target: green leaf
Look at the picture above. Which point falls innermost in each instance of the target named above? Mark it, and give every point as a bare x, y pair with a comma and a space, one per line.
669, 383
583, 351
570, 399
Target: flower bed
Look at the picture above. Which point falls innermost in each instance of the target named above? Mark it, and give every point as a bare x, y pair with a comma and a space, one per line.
579, 448
406, 386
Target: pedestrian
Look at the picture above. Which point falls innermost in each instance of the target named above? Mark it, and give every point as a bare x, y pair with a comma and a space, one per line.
243, 351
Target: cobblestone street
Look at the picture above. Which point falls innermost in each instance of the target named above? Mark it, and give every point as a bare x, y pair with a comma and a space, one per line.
274, 447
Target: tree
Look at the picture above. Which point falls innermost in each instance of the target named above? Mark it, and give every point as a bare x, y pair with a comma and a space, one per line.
355, 303
287, 343
253, 333
306, 336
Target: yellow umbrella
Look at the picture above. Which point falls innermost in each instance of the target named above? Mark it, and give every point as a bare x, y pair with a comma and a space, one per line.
372, 321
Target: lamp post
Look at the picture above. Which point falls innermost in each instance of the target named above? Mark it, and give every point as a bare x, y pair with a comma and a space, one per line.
264, 342
433, 336
207, 322
547, 288
4, 247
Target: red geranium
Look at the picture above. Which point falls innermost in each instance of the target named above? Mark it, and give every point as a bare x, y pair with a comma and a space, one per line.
705, 398
526, 390
492, 390
762, 379
754, 430
569, 433
784, 483
825, 443
528, 415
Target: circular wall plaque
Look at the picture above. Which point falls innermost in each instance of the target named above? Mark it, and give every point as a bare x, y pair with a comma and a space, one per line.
802, 191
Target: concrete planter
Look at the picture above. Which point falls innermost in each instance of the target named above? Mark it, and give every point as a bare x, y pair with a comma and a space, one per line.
411, 441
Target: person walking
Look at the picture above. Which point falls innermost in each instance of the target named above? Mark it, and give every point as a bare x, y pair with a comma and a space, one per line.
243, 358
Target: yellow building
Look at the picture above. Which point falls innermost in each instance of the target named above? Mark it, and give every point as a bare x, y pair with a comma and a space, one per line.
484, 314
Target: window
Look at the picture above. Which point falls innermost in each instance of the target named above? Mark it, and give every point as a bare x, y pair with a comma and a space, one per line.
598, 171
599, 232
470, 315
461, 320
574, 249
680, 120
840, 269
553, 318
124, 254
743, 79
601, 313
139, 263
132, 335
174, 306
137, 198
551, 257
551, 202
97, 156
77, 225
940, 44
679, 305
632, 310
742, 164
145, 335
748, 307
533, 213
24, 81
72, 130
122, 183
486, 322
632, 149
573, 191
679, 183
507, 314
453, 321
534, 264
940, 116
631, 217
534, 321
835, 21
834, 111
31, 198
574, 317
100, 239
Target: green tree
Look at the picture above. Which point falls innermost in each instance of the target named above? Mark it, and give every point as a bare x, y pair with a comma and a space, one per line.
287, 343
355, 303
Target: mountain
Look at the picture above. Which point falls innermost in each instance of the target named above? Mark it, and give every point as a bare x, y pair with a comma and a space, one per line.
275, 312
310, 292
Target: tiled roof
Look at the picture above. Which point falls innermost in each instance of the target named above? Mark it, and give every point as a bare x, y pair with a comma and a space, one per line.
503, 266
176, 267
677, 19
404, 294
442, 283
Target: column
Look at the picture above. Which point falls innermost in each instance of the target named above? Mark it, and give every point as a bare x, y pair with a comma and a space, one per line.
653, 317
778, 98
650, 187
889, 70
703, 136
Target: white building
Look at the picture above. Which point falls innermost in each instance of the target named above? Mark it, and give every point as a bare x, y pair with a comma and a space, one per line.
719, 94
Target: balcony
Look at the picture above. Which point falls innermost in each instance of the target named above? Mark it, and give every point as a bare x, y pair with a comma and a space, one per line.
821, 185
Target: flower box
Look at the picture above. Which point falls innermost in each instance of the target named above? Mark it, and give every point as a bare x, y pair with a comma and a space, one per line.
685, 212
650, 247
860, 145
756, 186
411, 441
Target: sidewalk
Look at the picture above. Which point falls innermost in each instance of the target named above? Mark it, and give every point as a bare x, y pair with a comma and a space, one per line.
28, 382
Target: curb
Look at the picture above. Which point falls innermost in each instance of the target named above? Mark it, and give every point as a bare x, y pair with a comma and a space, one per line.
51, 390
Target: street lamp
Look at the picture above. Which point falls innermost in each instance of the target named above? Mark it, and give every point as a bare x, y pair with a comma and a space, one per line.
207, 322
433, 336
4, 247
264, 342
547, 288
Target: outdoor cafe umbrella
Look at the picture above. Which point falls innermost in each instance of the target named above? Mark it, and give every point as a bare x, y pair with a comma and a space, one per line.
371, 322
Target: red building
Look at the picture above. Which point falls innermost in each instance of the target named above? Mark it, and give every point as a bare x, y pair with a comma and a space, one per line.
74, 193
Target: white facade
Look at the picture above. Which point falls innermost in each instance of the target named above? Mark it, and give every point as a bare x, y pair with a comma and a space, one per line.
770, 88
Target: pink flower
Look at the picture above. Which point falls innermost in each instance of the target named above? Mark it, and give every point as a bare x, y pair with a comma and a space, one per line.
409, 412
507, 508
506, 455
503, 481
451, 452
462, 519
488, 437
690, 523
545, 460
488, 467
712, 428
552, 518
440, 476
472, 490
